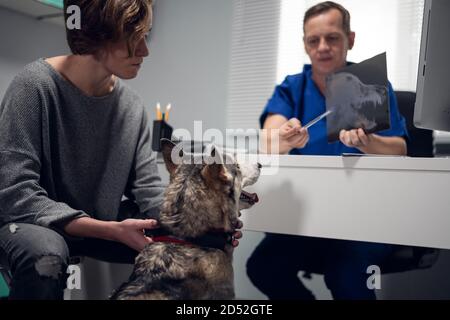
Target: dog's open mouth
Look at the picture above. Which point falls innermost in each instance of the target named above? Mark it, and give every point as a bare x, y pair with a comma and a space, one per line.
250, 198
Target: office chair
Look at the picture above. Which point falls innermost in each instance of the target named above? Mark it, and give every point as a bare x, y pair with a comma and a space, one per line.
420, 143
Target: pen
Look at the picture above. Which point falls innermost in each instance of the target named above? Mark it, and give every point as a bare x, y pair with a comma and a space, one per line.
314, 121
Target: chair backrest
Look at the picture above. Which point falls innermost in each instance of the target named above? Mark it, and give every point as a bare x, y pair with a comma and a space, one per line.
420, 142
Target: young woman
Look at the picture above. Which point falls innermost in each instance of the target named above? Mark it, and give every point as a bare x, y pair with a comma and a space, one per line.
74, 139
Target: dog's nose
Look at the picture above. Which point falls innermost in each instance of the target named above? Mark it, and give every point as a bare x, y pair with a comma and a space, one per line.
259, 165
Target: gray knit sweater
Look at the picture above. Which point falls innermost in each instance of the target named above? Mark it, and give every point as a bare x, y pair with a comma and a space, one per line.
65, 155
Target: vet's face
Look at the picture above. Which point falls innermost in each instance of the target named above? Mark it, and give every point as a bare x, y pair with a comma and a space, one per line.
326, 43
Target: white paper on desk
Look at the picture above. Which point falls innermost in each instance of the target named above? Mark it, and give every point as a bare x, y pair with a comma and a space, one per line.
349, 154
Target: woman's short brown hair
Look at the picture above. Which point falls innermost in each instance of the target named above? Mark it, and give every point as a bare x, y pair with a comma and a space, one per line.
325, 7
107, 21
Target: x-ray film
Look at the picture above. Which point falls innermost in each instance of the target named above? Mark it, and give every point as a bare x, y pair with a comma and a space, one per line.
358, 98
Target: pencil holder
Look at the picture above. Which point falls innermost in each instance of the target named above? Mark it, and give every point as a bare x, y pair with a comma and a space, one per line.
161, 130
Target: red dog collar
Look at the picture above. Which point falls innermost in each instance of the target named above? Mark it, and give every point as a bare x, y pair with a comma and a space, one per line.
171, 240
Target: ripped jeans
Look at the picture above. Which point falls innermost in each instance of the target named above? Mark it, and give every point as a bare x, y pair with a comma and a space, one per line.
38, 258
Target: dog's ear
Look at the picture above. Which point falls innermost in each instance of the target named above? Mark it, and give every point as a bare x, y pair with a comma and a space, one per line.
214, 155
214, 171
172, 154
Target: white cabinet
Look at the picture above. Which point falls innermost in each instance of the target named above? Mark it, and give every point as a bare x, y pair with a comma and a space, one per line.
396, 200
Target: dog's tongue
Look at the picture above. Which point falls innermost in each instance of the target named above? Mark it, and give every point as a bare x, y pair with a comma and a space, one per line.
249, 197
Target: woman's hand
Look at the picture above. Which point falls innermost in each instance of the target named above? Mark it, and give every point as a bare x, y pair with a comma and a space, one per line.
237, 234
131, 232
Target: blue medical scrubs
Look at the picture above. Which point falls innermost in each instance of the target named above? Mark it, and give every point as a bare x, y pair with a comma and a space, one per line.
298, 96
275, 263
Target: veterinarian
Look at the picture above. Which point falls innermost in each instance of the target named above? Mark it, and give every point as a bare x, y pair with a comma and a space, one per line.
74, 139
275, 263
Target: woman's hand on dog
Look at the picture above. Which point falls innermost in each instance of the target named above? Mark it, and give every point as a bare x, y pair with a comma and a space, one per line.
235, 242
131, 232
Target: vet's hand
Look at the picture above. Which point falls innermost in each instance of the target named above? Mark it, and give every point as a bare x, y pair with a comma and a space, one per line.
293, 135
238, 234
131, 232
355, 138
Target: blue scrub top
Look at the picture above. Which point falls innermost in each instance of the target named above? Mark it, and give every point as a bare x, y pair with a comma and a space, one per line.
299, 97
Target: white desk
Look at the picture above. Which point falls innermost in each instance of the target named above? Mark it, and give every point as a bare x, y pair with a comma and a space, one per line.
380, 199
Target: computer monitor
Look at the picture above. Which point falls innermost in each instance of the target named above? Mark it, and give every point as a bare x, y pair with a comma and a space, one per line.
432, 109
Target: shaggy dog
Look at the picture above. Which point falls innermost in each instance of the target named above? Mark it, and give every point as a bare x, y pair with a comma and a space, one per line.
201, 204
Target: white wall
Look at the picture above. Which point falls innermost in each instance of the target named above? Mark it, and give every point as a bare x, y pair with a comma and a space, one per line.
23, 40
189, 61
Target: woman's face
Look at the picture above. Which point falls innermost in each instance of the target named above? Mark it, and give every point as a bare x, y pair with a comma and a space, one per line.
117, 60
